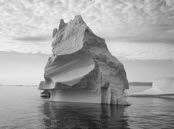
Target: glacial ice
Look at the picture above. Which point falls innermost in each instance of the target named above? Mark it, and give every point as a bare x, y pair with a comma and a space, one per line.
81, 68
161, 87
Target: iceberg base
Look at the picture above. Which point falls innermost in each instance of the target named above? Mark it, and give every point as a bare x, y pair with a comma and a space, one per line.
83, 96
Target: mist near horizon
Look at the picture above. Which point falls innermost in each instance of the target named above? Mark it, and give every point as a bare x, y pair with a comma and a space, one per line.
28, 69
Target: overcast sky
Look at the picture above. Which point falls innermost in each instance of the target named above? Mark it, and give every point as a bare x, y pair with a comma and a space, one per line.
133, 29
139, 32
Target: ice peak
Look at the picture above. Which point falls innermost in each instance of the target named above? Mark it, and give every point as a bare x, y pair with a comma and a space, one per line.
61, 24
78, 19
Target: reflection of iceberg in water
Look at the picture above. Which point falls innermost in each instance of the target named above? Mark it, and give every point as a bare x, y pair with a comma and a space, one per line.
162, 87
83, 116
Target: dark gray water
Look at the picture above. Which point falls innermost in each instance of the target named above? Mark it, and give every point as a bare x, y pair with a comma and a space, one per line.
22, 108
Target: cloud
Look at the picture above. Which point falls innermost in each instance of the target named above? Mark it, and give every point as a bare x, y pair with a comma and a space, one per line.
33, 38
37, 17
31, 20
142, 51
156, 34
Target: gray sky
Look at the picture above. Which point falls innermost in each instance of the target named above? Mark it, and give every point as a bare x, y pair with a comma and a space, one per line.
138, 32
26, 25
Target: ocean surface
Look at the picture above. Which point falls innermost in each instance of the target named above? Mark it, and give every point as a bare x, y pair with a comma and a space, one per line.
22, 108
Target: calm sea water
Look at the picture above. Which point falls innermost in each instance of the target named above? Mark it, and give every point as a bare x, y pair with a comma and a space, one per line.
22, 108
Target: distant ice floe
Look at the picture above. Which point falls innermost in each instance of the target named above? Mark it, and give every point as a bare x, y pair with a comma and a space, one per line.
162, 87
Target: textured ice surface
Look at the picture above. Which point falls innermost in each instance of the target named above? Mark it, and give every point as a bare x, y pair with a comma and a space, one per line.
81, 68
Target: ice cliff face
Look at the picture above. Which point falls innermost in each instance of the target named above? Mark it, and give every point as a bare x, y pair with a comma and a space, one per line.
81, 68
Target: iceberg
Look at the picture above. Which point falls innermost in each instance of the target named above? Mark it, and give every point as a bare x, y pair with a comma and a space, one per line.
161, 87
81, 68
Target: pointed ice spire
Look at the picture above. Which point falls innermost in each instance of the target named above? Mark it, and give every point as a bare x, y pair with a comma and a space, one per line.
61, 24
78, 19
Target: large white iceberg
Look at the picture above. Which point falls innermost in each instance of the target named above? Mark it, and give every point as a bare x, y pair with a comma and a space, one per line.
81, 68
